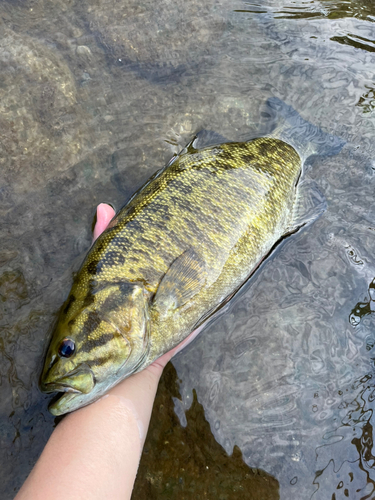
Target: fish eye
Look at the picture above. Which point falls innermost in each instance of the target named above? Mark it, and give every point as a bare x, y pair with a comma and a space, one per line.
67, 348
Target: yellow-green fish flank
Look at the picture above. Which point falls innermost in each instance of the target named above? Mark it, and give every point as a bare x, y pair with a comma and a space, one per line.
182, 245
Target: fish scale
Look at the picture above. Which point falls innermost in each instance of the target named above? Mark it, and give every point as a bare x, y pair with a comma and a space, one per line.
184, 243
204, 201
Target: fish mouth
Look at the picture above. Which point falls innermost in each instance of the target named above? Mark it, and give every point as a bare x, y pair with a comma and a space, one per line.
75, 390
67, 402
58, 387
78, 381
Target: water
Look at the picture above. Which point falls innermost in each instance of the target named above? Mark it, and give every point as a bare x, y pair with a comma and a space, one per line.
96, 96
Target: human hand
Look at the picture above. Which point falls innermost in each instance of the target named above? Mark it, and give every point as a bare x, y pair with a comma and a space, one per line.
94, 452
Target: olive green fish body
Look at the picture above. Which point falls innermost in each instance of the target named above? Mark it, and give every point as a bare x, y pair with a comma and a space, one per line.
181, 246
230, 204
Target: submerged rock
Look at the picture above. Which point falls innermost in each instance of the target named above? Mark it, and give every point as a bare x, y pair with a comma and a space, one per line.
40, 120
157, 40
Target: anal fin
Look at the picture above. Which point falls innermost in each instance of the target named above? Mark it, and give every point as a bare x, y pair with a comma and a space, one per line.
309, 205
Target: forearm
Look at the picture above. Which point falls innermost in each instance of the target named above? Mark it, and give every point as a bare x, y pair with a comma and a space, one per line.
94, 452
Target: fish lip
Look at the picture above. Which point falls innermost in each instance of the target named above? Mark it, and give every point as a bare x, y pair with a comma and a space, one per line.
60, 405
60, 386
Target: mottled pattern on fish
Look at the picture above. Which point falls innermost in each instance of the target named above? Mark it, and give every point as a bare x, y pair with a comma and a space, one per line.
203, 223
230, 203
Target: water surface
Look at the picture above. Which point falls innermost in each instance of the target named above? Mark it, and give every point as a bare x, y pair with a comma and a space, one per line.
96, 96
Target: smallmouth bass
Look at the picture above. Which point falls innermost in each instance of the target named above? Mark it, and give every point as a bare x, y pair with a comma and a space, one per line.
179, 249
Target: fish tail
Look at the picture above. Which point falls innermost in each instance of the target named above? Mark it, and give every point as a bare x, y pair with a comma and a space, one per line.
289, 126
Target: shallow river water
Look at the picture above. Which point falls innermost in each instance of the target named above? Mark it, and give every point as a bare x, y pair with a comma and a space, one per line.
95, 96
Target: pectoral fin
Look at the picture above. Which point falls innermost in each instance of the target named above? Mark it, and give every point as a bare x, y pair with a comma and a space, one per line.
309, 205
184, 279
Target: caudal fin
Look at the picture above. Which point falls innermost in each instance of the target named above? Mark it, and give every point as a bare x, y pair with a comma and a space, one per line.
285, 123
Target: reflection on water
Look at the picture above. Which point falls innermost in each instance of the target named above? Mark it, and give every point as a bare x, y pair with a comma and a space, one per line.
367, 100
94, 98
356, 41
349, 444
364, 308
287, 9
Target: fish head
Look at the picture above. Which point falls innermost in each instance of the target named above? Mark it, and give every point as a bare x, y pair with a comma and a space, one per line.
96, 343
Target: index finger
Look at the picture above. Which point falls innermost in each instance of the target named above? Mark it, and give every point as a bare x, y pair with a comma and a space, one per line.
104, 214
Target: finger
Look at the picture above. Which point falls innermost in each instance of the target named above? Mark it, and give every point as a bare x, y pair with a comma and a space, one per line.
104, 214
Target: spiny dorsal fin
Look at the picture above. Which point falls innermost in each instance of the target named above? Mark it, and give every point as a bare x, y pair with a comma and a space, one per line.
181, 282
190, 147
207, 138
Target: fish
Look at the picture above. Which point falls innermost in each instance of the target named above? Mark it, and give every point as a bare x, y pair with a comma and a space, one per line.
178, 250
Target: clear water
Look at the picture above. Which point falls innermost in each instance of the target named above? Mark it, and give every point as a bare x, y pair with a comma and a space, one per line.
96, 96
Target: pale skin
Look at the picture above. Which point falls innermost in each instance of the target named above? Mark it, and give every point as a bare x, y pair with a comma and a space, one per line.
94, 452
